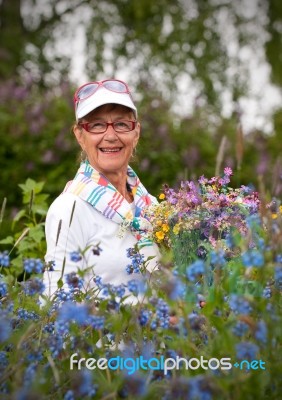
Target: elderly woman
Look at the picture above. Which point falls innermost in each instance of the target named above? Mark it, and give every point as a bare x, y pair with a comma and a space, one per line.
99, 216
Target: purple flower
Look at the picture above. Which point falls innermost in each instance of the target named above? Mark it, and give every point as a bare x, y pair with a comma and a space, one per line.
202, 180
74, 281
228, 171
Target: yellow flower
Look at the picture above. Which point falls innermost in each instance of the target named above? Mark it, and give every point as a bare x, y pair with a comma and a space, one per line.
165, 227
162, 196
176, 229
280, 209
159, 222
274, 216
160, 235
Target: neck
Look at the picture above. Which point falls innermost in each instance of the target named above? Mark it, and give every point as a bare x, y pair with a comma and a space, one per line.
118, 180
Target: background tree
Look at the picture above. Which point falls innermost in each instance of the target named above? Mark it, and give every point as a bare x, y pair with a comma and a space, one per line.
186, 61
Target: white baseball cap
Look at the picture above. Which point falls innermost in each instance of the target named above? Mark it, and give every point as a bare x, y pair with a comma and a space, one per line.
101, 97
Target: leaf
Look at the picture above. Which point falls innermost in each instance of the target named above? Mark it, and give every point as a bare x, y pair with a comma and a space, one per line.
60, 283
7, 240
19, 215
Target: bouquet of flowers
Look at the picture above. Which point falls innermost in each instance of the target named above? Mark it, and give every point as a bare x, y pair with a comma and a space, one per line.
200, 216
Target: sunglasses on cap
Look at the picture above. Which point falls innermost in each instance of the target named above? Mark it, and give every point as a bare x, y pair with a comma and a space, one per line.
88, 89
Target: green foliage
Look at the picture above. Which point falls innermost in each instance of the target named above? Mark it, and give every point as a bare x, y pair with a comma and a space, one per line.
232, 309
26, 238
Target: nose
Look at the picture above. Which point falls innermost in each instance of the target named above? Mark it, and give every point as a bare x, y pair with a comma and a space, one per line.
110, 133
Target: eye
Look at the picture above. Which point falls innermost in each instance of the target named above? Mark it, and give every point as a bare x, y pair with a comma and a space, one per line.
122, 125
96, 125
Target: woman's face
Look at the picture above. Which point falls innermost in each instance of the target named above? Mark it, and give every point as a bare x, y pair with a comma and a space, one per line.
108, 152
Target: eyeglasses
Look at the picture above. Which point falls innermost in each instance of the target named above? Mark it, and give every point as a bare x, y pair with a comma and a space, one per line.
114, 85
120, 126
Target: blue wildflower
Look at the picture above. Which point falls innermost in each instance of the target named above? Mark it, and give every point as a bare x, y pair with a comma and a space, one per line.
195, 270
239, 305
34, 286
33, 265
162, 313
247, 351
86, 387
175, 289
144, 316
4, 259
70, 311
240, 329
3, 289
96, 322
119, 290
27, 315
49, 327
75, 256
278, 277
217, 258
29, 375
62, 327
3, 360
64, 295
5, 329
137, 260
196, 321
199, 388
261, 332
253, 221
267, 292
136, 287
34, 356
135, 386
104, 291
98, 280
69, 395
153, 324
55, 344
253, 258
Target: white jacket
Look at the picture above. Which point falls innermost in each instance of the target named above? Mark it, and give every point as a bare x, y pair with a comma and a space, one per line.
88, 228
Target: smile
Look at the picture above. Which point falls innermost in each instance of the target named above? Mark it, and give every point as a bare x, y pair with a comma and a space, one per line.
110, 150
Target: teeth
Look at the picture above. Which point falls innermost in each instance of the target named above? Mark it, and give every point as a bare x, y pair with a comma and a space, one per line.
110, 150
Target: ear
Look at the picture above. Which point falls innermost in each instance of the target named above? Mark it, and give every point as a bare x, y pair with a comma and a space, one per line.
137, 134
77, 130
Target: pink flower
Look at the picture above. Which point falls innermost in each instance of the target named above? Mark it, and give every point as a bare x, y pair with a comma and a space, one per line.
228, 171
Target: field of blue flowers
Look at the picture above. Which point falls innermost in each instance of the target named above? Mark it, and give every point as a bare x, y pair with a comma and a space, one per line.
206, 325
